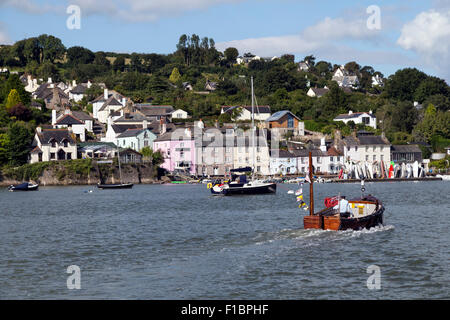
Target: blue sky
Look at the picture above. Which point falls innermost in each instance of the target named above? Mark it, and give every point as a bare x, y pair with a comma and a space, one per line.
413, 33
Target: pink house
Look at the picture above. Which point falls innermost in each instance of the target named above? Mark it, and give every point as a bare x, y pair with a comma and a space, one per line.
178, 149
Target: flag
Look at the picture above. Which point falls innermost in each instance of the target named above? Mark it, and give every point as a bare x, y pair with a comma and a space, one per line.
307, 178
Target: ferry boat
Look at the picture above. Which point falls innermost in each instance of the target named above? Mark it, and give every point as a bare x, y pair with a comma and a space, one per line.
364, 212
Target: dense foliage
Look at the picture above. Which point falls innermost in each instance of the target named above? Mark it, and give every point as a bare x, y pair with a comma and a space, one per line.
161, 79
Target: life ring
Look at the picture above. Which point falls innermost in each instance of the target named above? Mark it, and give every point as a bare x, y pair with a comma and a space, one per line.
209, 185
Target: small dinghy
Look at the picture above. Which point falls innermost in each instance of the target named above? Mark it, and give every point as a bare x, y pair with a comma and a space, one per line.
26, 186
115, 186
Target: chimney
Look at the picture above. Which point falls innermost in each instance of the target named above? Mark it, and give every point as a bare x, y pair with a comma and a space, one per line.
67, 110
49, 80
53, 117
350, 112
105, 94
162, 126
38, 129
416, 103
89, 84
187, 131
74, 83
323, 147
370, 111
144, 124
124, 101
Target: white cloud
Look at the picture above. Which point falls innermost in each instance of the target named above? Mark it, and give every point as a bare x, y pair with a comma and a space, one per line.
429, 36
4, 38
326, 35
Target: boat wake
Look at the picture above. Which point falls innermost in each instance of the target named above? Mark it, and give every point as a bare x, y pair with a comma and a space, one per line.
317, 234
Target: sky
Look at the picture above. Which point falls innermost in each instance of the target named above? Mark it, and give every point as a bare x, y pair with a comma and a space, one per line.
387, 35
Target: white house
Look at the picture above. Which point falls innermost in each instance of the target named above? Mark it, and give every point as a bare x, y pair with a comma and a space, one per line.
136, 139
345, 79
105, 100
377, 80
77, 121
180, 114
317, 92
366, 118
370, 148
245, 154
262, 113
282, 162
52, 145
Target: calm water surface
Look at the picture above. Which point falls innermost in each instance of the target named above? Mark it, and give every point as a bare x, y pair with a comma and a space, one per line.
179, 242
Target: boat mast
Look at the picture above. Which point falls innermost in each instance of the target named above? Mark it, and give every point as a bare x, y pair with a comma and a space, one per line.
311, 188
118, 158
253, 132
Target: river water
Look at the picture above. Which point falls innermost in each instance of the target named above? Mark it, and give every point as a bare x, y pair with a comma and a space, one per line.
179, 242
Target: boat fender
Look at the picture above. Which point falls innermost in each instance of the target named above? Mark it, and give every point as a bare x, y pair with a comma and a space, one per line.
209, 185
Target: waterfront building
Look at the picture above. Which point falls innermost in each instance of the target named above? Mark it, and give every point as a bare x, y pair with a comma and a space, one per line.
366, 147
282, 162
136, 139
52, 145
407, 153
178, 150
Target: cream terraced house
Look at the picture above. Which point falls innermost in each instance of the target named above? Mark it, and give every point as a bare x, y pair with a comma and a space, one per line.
367, 147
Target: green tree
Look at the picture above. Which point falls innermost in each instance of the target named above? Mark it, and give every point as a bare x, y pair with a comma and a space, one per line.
231, 55
175, 76
403, 84
19, 143
12, 100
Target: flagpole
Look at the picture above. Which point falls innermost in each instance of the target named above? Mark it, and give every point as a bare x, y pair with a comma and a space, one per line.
311, 188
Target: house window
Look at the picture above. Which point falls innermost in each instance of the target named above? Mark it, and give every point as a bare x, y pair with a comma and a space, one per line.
145, 143
331, 159
69, 156
356, 148
40, 157
319, 160
258, 159
374, 157
367, 149
290, 122
52, 156
367, 157
382, 157
258, 168
53, 144
65, 144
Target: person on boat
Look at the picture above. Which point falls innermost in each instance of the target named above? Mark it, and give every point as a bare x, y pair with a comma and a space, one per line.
345, 210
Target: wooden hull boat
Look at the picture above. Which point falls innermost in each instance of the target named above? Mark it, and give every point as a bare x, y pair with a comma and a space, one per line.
366, 213
115, 186
363, 213
24, 187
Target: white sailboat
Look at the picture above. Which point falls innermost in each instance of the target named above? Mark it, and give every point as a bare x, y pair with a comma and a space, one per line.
242, 187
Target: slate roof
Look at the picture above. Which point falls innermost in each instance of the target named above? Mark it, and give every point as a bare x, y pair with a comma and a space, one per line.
68, 119
131, 133
258, 109
154, 110
57, 134
79, 89
110, 102
320, 91
406, 148
365, 141
282, 154
280, 114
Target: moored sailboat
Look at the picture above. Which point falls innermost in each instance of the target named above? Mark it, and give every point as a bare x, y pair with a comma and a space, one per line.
120, 185
242, 186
